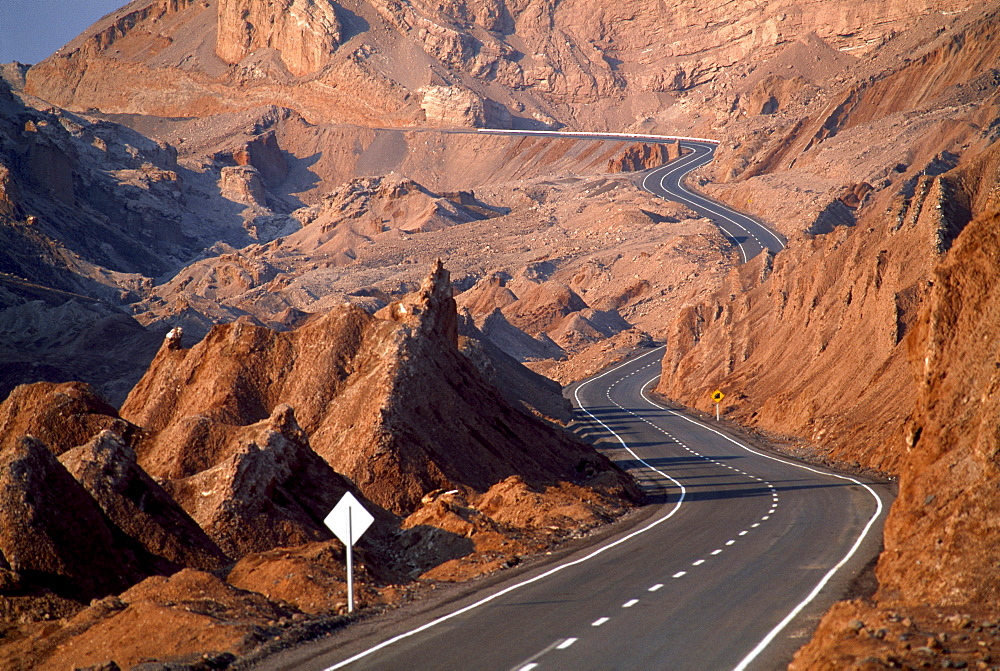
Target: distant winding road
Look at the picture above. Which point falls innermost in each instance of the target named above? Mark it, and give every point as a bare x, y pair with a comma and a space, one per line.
742, 553
747, 234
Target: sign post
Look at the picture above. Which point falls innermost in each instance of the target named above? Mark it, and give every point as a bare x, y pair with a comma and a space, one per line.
717, 396
348, 521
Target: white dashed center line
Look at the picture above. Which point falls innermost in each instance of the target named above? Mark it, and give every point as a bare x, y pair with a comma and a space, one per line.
565, 644
599, 621
680, 574
656, 587
630, 603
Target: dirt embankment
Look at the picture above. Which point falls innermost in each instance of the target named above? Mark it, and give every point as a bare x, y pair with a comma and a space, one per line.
811, 343
938, 587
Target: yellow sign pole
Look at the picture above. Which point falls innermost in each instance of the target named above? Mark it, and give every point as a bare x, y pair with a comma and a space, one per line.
717, 396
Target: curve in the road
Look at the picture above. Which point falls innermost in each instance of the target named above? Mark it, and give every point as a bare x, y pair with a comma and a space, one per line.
879, 507
537, 578
744, 232
595, 599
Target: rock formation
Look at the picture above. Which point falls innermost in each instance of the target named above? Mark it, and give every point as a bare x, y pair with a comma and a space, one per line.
368, 391
644, 156
53, 534
106, 467
304, 32
263, 487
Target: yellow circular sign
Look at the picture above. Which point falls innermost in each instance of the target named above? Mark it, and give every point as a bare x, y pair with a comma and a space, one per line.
717, 396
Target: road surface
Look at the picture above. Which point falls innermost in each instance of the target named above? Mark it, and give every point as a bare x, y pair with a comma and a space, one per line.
743, 553
747, 234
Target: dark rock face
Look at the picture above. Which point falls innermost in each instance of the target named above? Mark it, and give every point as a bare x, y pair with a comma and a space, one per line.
106, 467
53, 533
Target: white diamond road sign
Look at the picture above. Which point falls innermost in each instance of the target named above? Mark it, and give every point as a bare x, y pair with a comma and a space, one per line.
348, 520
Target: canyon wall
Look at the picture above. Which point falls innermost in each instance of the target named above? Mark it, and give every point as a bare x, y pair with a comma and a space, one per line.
581, 63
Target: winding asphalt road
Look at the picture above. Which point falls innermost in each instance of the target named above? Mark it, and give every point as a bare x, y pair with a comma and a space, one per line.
746, 233
741, 555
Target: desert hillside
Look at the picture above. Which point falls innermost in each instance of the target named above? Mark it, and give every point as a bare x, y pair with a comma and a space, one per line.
217, 222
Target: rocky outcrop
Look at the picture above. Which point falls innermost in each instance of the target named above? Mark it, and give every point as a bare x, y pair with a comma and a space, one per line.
644, 156
243, 185
87, 190
106, 467
369, 392
53, 533
263, 487
555, 313
369, 205
263, 153
304, 32
579, 62
772, 93
457, 106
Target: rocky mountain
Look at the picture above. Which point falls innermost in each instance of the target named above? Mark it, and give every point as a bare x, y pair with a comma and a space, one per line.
492, 63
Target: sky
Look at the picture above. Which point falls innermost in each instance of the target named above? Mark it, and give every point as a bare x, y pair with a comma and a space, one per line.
30, 30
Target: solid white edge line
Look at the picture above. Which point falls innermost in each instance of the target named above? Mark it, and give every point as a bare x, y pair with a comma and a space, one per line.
555, 569
771, 635
707, 204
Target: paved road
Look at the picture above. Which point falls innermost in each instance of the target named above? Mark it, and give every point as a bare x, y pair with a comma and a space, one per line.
726, 574
747, 234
